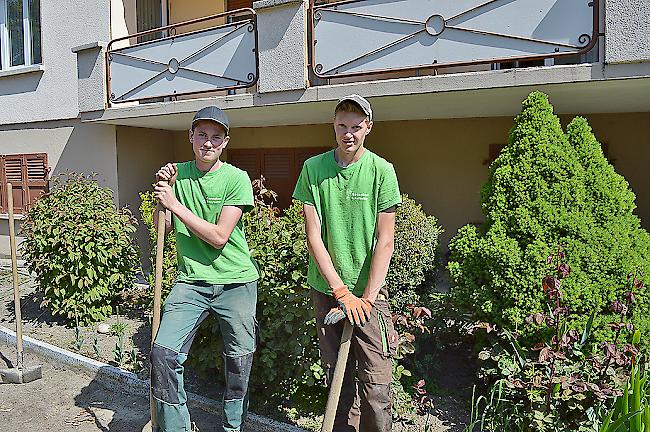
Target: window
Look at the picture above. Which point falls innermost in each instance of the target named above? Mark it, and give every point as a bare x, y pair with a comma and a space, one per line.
20, 33
150, 14
27, 174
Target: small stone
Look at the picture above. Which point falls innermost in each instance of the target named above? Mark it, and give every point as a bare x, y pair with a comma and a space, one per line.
103, 328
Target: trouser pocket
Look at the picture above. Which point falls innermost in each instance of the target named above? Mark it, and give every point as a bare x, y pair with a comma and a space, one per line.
389, 337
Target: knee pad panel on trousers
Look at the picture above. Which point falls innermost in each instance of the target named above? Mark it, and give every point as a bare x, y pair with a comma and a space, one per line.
238, 370
164, 380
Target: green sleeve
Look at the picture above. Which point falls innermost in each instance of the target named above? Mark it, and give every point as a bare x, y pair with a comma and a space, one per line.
240, 192
303, 191
389, 195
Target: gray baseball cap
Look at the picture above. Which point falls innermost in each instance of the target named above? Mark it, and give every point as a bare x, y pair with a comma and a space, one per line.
360, 101
214, 114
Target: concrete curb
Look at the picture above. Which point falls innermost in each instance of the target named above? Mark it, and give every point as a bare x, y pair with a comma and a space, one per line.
120, 380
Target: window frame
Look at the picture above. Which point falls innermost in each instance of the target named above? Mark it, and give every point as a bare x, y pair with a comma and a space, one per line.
5, 45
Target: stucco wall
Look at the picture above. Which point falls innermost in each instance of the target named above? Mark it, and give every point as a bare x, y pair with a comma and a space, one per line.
140, 152
282, 45
627, 31
51, 94
70, 146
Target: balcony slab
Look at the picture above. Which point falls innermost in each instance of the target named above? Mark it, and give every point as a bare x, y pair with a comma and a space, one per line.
588, 88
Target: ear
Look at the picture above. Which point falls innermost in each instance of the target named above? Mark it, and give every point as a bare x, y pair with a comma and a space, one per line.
370, 123
191, 134
225, 142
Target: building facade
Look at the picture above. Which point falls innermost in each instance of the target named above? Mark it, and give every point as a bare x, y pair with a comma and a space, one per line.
111, 86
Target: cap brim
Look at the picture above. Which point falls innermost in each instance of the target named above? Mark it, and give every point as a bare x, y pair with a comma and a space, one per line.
212, 120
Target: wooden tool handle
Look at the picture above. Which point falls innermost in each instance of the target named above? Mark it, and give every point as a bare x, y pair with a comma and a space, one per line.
337, 380
14, 271
157, 293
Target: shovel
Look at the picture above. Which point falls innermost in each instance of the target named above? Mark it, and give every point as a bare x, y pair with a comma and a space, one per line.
19, 374
337, 380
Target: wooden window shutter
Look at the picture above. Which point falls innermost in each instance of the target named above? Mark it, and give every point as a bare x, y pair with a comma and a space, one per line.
248, 160
277, 169
27, 174
279, 166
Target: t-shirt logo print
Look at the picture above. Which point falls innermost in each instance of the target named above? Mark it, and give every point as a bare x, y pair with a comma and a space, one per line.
356, 196
213, 200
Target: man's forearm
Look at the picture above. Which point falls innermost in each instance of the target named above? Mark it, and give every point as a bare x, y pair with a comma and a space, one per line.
324, 262
206, 231
378, 268
317, 248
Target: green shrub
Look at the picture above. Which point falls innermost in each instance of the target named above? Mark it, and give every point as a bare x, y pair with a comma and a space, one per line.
79, 246
412, 270
288, 358
288, 354
550, 188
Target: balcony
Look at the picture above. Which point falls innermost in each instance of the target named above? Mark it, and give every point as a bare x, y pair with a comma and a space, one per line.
177, 60
284, 61
425, 37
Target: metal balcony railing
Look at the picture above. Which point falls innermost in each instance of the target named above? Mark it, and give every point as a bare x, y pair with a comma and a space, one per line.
175, 63
364, 37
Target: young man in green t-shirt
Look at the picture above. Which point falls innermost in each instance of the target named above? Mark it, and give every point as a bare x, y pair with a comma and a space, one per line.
205, 199
350, 195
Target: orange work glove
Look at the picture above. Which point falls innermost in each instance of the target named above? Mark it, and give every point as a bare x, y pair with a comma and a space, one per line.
357, 309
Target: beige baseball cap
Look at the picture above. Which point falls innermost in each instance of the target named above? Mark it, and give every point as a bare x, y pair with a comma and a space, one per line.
360, 101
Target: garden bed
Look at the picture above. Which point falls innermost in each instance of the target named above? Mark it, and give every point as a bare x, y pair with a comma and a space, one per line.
452, 379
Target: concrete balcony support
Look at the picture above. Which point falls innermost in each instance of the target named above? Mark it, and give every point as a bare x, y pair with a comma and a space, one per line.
627, 31
91, 73
282, 26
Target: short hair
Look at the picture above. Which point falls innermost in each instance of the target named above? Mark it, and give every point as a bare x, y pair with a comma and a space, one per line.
349, 106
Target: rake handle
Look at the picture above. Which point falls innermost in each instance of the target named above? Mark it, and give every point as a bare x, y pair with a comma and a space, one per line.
14, 271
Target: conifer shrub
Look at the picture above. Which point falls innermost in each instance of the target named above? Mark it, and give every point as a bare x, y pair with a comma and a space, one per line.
79, 246
550, 188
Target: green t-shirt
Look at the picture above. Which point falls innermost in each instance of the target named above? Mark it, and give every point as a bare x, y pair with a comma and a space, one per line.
205, 194
347, 201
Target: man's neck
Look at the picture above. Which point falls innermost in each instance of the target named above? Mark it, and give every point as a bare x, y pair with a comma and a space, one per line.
206, 167
344, 159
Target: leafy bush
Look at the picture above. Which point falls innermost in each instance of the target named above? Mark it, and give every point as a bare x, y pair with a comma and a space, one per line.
631, 410
79, 246
288, 359
550, 188
412, 271
288, 354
